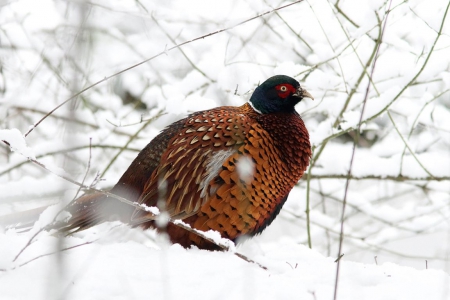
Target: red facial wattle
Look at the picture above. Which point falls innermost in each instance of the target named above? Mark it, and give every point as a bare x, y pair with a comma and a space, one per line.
285, 90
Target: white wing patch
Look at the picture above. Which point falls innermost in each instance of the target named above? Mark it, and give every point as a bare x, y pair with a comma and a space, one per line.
213, 166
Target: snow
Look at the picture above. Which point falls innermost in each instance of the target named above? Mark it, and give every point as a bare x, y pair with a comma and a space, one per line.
152, 209
16, 142
245, 168
211, 235
120, 270
397, 214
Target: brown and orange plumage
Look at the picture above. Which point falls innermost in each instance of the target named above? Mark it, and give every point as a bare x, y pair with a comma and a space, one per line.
228, 169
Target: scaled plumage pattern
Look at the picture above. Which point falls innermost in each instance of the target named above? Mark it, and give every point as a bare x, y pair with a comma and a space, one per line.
229, 169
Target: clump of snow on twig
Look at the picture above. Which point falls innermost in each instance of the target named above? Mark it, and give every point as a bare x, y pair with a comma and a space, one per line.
16, 141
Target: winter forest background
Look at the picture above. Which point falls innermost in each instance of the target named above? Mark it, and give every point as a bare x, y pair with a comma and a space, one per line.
380, 75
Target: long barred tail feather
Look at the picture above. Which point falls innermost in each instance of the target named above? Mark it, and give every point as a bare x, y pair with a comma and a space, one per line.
94, 209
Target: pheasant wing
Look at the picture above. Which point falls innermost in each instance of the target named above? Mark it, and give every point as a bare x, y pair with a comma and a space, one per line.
194, 156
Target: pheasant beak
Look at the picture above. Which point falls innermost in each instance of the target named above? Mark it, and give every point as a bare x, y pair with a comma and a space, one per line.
302, 93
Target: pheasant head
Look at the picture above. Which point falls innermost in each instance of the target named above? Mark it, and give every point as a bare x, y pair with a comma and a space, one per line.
279, 93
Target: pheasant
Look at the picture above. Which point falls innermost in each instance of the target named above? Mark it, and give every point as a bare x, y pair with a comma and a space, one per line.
228, 169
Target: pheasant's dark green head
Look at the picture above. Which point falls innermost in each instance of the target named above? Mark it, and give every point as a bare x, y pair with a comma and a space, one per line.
279, 93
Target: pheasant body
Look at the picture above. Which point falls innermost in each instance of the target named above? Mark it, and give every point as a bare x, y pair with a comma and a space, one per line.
228, 169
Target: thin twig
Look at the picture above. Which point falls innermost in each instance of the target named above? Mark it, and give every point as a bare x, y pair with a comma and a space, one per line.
87, 168
63, 151
181, 50
54, 252
407, 146
27, 244
307, 211
331, 46
413, 125
345, 16
160, 113
355, 143
399, 178
293, 31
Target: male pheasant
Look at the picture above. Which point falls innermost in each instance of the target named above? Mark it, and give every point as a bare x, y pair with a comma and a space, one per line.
229, 169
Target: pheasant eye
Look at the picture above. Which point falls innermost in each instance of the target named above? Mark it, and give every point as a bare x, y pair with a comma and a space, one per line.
283, 88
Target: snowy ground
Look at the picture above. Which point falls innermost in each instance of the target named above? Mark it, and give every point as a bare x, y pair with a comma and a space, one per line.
115, 267
397, 228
